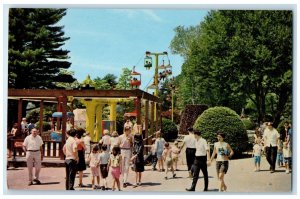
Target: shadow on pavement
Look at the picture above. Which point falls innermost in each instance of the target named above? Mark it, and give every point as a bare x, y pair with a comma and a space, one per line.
150, 184
48, 183
14, 169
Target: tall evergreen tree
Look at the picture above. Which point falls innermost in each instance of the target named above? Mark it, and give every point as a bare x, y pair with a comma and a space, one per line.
36, 56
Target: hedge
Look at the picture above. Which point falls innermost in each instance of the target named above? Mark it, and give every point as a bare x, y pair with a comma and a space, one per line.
226, 120
169, 129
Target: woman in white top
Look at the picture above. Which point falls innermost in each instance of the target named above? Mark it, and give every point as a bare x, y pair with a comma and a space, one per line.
224, 153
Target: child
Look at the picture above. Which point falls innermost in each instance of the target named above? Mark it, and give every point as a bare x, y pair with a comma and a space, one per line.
257, 150
115, 161
159, 147
280, 153
104, 158
175, 154
114, 140
94, 159
153, 155
105, 139
287, 153
167, 157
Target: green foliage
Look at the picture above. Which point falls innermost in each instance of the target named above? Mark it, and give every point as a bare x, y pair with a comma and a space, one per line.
281, 124
248, 124
35, 55
226, 120
169, 129
255, 46
124, 80
46, 125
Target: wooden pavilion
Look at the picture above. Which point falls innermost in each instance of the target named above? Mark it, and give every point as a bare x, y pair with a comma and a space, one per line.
60, 97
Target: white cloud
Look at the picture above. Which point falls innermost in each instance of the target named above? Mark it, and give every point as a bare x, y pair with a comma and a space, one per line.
134, 13
152, 15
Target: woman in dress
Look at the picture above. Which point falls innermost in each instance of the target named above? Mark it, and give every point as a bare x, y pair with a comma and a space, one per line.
138, 158
81, 166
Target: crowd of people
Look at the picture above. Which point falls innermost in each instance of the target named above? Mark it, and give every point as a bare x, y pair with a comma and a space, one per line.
116, 154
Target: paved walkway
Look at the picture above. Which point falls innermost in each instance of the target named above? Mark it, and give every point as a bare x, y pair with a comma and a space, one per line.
240, 179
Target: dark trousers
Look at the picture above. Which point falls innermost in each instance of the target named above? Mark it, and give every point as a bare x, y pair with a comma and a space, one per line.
70, 173
190, 157
154, 161
271, 154
200, 164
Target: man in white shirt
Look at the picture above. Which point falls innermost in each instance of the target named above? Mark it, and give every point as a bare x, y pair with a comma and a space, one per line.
71, 153
201, 161
190, 142
271, 138
34, 155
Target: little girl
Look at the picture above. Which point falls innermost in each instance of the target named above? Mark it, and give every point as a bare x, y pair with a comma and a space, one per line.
94, 159
280, 153
115, 161
167, 157
104, 158
257, 150
175, 154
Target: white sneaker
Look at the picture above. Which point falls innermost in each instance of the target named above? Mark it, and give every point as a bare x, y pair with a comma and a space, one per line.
287, 171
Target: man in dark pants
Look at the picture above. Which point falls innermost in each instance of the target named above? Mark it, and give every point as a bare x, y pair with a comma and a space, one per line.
271, 138
189, 141
71, 153
201, 161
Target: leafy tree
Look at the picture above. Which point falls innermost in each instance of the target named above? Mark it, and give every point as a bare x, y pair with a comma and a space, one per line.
240, 55
124, 80
36, 56
101, 84
111, 79
107, 82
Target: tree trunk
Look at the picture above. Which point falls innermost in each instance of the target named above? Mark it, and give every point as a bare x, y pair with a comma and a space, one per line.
283, 98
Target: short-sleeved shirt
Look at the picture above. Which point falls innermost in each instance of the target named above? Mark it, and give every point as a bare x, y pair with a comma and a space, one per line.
221, 149
126, 141
257, 149
114, 141
159, 144
95, 159
271, 137
106, 140
104, 157
201, 147
71, 147
80, 144
115, 160
190, 141
33, 143
175, 151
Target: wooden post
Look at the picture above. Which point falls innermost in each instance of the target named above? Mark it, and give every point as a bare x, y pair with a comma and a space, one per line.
152, 119
19, 116
58, 108
157, 114
138, 110
146, 121
64, 120
41, 116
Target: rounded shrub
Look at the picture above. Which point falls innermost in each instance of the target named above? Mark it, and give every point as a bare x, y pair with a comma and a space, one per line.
249, 125
169, 129
226, 120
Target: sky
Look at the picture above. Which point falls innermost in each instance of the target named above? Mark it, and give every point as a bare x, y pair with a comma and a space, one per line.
104, 41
